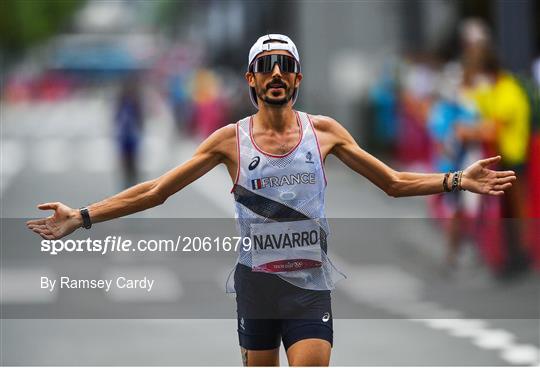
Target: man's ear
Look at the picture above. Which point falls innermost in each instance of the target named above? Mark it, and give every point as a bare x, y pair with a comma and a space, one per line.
250, 78
298, 79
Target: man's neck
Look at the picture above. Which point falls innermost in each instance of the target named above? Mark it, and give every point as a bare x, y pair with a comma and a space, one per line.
275, 118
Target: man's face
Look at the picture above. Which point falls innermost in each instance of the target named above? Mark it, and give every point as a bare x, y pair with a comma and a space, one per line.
275, 88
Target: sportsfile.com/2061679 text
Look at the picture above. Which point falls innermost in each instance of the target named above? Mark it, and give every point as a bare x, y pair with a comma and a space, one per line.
113, 243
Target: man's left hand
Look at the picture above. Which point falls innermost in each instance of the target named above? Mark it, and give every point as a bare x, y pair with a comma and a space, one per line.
479, 179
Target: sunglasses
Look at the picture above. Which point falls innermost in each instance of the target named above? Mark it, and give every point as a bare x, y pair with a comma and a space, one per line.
265, 64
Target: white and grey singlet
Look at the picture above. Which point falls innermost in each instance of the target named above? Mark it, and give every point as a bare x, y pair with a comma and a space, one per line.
279, 203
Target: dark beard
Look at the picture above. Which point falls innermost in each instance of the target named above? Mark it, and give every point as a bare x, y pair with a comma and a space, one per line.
280, 102
261, 93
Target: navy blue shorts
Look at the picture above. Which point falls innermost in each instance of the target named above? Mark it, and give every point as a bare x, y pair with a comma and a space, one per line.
271, 310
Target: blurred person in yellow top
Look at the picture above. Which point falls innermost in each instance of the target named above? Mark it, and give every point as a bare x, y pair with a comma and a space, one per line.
505, 128
505, 110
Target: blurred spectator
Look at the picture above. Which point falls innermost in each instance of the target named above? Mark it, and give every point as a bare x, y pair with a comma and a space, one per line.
536, 71
178, 65
449, 154
180, 100
532, 87
53, 86
210, 110
416, 95
25, 86
383, 97
129, 124
453, 115
504, 130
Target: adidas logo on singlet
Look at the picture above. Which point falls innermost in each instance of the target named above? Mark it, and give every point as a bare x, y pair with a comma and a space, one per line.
279, 181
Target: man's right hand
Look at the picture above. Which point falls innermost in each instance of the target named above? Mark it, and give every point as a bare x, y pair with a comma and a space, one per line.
64, 221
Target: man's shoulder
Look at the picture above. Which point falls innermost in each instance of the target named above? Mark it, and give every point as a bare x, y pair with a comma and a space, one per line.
227, 131
323, 123
222, 139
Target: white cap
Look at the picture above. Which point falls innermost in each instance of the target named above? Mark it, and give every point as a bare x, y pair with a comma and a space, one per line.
284, 43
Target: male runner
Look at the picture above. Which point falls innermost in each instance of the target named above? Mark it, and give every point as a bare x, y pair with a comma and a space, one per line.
275, 159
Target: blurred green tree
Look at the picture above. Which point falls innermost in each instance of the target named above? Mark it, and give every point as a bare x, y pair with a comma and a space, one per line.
169, 15
26, 22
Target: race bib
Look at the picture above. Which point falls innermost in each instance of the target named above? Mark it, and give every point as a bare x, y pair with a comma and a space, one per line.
285, 246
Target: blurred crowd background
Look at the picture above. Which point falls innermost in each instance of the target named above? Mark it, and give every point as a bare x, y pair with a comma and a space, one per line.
424, 85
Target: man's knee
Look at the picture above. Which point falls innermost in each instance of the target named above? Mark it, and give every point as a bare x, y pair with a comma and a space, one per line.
258, 358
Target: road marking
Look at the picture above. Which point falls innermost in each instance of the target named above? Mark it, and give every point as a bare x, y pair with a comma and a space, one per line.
97, 155
400, 293
51, 155
494, 339
522, 354
12, 158
468, 328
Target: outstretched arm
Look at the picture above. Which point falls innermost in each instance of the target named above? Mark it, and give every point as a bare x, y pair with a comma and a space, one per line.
477, 178
213, 151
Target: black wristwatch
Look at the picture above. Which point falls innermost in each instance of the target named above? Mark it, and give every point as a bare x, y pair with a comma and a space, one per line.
87, 224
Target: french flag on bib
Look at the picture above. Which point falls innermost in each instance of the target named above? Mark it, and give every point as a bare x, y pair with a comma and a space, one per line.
256, 184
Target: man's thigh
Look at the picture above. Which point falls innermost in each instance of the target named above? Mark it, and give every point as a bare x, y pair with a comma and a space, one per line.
307, 342
259, 341
309, 352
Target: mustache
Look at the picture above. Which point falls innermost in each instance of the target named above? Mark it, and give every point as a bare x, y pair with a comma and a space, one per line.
276, 83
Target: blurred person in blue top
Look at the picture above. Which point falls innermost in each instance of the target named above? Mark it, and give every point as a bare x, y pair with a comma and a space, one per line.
180, 100
384, 98
448, 111
129, 125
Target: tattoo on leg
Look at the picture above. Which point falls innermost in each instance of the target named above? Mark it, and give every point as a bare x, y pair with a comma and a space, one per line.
244, 356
